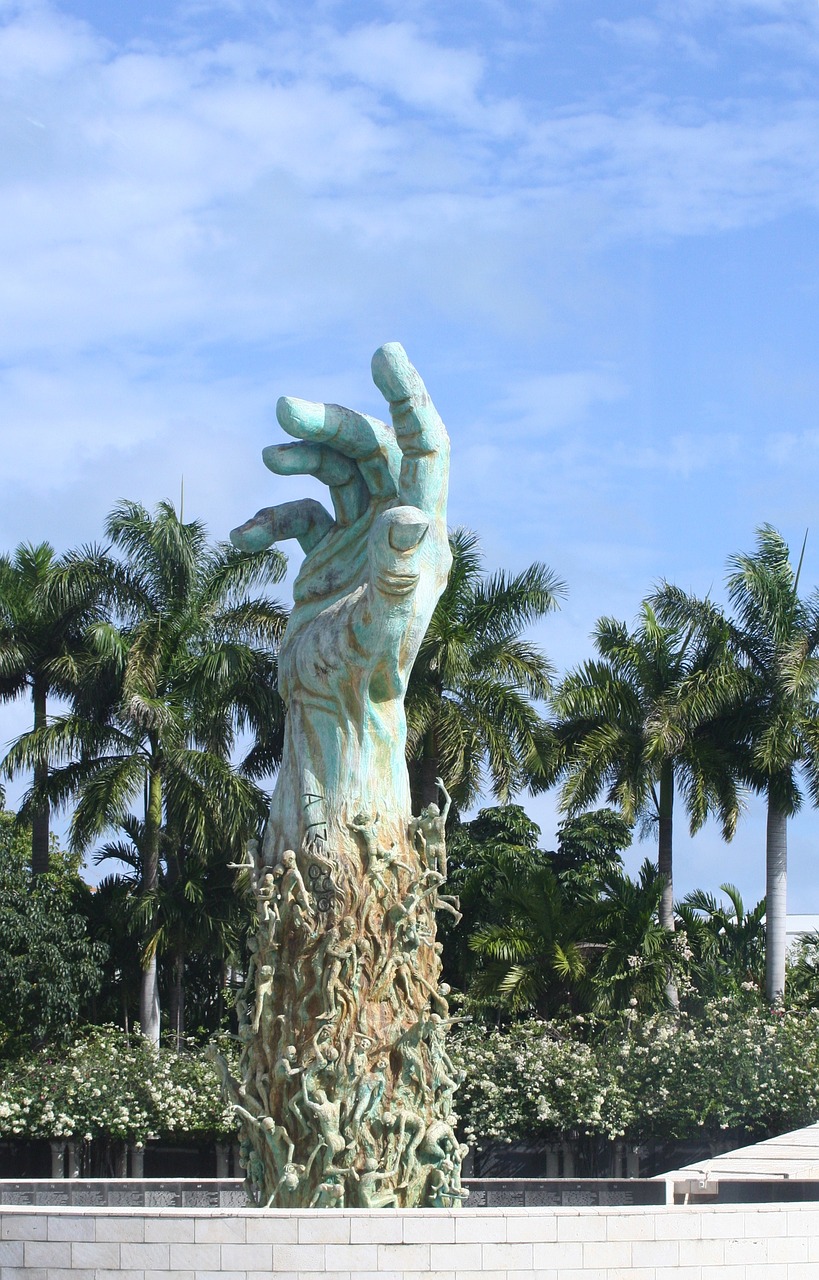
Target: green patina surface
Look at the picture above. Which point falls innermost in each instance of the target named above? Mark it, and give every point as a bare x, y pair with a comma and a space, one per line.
346, 1090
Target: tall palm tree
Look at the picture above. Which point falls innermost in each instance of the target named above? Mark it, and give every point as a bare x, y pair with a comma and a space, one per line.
617, 731
188, 665
772, 699
470, 698
41, 635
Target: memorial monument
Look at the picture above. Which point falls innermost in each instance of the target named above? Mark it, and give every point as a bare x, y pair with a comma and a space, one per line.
345, 1093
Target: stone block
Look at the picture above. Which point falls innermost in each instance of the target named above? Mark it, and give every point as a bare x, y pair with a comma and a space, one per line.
631, 1226
602, 1254
351, 1257
557, 1255
424, 1229
272, 1228
721, 1225
377, 1228
219, 1229
723, 1272
47, 1253
373, 1275
801, 1271
452, 1257
71, 1273
11, 1253
802, 1222
135, 1255
585, 1226
751, 1250
121, 1226
24, 1226
88, 1253
168, 1229
655, 1253
298, 1257
323, 1228
69, 1228
672, 1273
195, 1257
247, 1257
480, 1226
482, 1274
680, 1223
531, 1227
781, 1249
702, 1253
768, 1220
509, 1257
403, 1257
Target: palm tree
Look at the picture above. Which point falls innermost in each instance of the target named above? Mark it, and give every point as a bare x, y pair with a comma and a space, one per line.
534, 954
164, 693
617, 731
771, 697
41, 635
638, 961
470, 696
194, 909
555, 944
728, 942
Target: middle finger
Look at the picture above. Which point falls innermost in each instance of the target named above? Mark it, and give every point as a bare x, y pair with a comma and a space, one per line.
371, 443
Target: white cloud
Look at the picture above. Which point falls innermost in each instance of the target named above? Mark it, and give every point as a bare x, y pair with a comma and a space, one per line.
393, 57
685, 454
554, 401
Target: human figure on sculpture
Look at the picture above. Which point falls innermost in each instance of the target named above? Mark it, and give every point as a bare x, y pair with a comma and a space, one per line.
428, 832
328, 1115
265, 978
368, 1180
338, 957
274, 1134
402, 1121
292, 887
284, 1073
249, 863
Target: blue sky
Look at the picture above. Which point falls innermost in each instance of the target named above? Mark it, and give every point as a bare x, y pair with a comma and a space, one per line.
593, 226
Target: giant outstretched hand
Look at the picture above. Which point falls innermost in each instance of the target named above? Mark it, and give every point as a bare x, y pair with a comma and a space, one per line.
343, 1060
364, 597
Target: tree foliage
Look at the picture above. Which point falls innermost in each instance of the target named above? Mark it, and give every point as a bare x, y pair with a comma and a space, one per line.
471, 713
50, 967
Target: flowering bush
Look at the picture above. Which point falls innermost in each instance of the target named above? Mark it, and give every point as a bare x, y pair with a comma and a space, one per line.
105, 1085
735, 1066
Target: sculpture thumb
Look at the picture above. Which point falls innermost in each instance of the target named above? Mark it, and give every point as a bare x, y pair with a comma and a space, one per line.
397, 544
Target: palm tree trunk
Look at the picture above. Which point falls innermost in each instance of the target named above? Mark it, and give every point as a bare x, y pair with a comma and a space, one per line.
665, 845
776, 882
665, 865
149, 985
176, 999
428, 771
40, 820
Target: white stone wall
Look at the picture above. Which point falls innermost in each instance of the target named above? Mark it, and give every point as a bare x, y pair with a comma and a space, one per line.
726, 1242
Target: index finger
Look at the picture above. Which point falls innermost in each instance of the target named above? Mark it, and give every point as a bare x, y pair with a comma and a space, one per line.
420, 433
